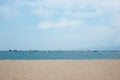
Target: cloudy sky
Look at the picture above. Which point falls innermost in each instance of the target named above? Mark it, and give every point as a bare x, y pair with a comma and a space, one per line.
59, 24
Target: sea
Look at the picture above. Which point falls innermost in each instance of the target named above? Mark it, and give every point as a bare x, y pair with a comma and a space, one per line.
58, 55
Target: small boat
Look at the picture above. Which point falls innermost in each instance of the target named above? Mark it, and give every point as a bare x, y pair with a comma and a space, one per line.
95, 51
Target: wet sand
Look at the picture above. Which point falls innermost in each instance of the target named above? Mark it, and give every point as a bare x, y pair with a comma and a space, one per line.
59, 69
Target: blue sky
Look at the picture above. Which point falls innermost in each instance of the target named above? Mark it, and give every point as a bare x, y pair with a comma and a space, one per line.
59, 24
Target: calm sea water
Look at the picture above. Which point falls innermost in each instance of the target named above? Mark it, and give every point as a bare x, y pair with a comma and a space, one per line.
41, 55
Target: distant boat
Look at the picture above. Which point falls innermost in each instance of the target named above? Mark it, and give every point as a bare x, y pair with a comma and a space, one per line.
10, 50
35, 50
15, 50
95, 51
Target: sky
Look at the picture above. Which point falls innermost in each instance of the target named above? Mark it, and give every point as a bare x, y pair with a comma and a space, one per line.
60, 24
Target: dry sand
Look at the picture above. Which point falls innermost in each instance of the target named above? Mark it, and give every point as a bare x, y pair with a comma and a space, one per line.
59, 69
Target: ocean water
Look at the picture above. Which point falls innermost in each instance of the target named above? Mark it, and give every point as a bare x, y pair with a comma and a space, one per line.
56, 55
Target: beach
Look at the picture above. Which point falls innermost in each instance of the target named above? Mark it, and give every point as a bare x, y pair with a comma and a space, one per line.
60, 69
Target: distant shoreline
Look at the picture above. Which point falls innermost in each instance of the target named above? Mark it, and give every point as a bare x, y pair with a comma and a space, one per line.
15, 50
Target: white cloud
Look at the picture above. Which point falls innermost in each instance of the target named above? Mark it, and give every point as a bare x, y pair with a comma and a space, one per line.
104, 29
79, 4
70, 9
62, 23
49, 8
107, 4
9, 10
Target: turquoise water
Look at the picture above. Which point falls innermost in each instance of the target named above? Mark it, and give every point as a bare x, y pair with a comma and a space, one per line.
41, 55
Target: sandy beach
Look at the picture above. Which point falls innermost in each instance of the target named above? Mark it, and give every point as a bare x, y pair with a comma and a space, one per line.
59, 69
